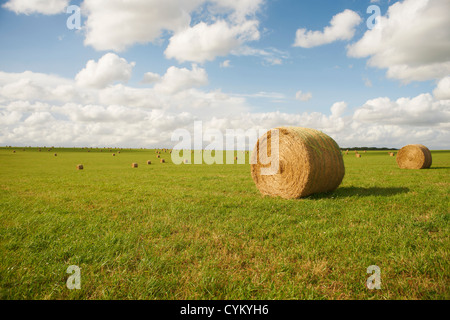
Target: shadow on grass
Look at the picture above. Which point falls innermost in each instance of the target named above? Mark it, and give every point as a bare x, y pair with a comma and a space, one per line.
360, 192
438, 168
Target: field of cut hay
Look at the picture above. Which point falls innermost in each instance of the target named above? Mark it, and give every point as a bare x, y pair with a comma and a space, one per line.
165, 231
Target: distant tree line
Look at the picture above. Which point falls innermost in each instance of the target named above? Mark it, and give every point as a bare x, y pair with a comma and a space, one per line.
369, 148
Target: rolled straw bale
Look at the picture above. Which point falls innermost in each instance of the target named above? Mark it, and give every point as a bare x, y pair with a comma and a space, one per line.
113, 154
391, 154
358, 155
309, 162
158, 156
134, 165
56, 154
149, 162
80, 167
162, 161
414, 156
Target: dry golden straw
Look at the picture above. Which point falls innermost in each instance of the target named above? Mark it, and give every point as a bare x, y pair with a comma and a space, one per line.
309, 162
358, 155
134, 165
414, 156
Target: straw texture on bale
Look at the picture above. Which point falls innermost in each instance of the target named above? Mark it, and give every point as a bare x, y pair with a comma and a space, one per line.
80, 167
134, 165
414, 156
309, 162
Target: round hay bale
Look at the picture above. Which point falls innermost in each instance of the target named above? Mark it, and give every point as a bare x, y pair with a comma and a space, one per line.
309, 162
158, 156
134, 165
14, 151
56, 154
162, 161
391, 154
358, 155
80, 167
149, 162
113, 154
414, 156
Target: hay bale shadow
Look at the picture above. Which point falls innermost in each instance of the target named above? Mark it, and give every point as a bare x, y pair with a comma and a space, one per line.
344, 192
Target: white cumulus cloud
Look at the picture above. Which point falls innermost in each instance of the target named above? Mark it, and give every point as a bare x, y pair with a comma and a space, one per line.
109, 69
48, 7
204, 42
442, 91
411, 41
342, 27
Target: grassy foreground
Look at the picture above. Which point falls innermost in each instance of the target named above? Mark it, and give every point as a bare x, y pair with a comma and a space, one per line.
164, 231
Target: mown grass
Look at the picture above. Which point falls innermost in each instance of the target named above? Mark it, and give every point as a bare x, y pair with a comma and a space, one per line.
164, 231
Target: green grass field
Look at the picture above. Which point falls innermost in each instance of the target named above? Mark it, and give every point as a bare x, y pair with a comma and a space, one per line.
166, 231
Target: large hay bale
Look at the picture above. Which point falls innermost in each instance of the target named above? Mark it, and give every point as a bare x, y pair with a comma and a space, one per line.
162, 161
80, 167
134, 165
358, 155
113, 154
309, 162
414, 156
149, 162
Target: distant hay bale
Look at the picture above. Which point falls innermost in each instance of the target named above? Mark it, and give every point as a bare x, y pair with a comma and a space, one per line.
14, 151
358, 155
113, 154
158, 156
56, 154
414, 156
309, 162
118, 152
235, 158
162, 161
149, 162
186, 161
391, 154
134, 165
80, 167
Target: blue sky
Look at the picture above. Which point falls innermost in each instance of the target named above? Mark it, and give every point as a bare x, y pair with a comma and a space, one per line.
264, 70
